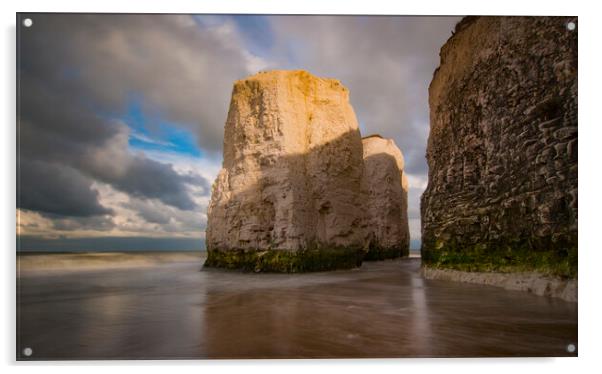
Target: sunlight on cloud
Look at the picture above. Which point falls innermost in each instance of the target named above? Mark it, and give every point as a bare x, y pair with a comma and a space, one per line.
414, 228
417, 181
147, 139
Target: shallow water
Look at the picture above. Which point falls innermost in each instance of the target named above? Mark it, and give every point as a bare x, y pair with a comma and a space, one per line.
383, 309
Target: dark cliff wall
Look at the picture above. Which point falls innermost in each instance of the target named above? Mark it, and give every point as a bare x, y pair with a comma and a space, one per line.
502, 149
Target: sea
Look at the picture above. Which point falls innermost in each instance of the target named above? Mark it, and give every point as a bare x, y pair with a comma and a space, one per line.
166, 305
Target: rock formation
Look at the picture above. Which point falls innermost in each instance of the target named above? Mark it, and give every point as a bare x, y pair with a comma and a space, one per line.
288, 197
502, 149
386, 194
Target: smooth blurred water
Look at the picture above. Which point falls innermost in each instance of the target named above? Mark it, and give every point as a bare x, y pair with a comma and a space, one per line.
383, 309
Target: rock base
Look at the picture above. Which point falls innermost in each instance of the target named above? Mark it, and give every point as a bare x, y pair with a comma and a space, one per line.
380, 253
542, 255
536, 283
283, 261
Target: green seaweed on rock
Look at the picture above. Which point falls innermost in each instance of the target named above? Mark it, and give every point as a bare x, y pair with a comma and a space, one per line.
543, 255
285, 261
376, 253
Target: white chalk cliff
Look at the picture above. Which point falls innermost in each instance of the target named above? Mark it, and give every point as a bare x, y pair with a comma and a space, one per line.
289, 196
385, 189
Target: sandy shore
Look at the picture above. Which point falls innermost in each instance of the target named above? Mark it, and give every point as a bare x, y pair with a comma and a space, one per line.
40, 263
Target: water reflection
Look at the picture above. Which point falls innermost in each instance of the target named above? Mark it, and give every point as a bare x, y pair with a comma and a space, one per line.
420, 328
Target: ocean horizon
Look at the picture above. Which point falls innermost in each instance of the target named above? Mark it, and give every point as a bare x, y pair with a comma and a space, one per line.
26, 244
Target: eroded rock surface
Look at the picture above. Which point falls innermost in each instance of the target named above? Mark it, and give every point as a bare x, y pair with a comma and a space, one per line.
288, 197
502, 150
386, 196
533, 282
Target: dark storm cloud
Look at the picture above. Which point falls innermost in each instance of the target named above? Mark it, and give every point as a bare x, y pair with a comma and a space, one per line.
76, 73
151, 179
183, 72
56, 190
56, 128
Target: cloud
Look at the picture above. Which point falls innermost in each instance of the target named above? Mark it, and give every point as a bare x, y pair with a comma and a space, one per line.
108, 160
77, 74
414, 224
131, 216
54, 189
146, 139
151, 217
207, 167
150, 179
419, 182
184, 72
173, 220
102, 223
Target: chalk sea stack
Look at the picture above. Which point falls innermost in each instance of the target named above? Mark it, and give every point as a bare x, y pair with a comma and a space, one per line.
386, 194
502, 149
288, 197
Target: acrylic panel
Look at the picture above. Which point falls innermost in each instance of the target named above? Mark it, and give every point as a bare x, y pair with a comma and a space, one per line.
294, 186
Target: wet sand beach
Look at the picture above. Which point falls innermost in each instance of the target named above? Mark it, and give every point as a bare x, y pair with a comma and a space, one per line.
170, 308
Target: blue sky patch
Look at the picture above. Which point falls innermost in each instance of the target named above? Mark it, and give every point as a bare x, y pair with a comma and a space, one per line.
147, 132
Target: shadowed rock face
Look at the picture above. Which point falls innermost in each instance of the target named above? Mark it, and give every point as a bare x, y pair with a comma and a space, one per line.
502, 150
289, 195
385, 189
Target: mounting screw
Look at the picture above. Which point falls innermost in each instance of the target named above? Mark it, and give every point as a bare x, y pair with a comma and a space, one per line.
571, 348
27, 351
27, 22
571, 26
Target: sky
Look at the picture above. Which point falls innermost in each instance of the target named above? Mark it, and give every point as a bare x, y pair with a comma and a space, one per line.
121, 117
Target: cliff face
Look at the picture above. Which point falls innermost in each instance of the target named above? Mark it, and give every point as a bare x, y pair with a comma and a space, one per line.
502, 149
289, 195
386, 195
